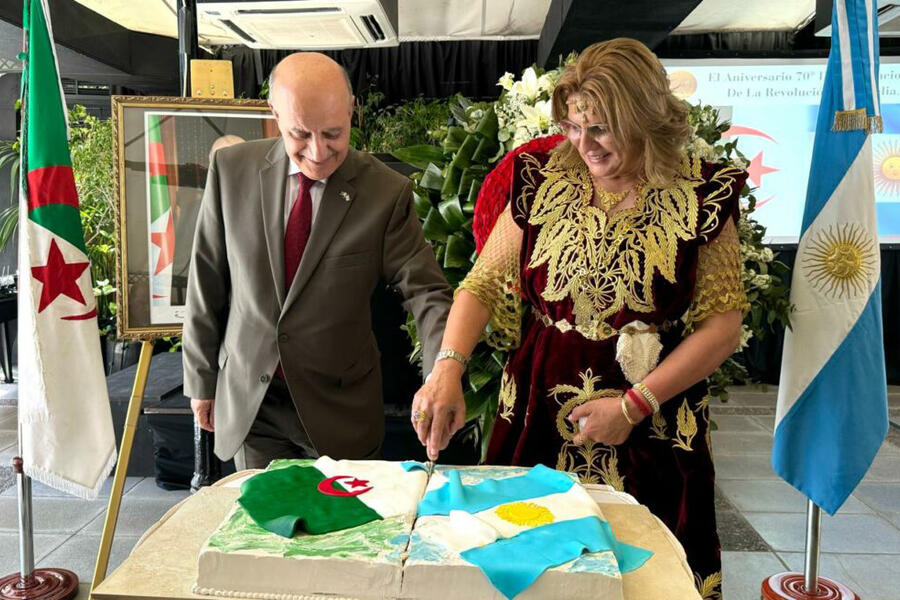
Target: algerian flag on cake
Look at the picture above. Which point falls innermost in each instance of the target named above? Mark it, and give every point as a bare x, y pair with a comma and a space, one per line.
516, 528
330, 495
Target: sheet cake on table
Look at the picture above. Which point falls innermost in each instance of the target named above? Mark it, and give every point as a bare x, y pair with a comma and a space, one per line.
399, 557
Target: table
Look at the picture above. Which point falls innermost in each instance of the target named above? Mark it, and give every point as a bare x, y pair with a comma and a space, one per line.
163, 564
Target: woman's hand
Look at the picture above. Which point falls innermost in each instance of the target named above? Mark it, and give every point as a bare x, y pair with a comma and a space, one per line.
439, 408
603, 421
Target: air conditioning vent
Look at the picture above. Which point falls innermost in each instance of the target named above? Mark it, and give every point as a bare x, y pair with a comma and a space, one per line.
373, 27
244, 35
305, 24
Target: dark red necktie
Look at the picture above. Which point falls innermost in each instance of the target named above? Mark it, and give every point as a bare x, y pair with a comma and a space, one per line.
298, 227
295, 237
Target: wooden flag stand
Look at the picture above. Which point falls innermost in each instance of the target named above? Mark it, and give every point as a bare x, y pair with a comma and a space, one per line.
115, 494
808, 585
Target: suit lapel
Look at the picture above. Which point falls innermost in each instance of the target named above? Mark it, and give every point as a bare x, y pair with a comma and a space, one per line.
336, 201
272, 181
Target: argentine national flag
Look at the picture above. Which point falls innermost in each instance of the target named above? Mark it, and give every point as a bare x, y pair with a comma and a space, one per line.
515, 528
832, 398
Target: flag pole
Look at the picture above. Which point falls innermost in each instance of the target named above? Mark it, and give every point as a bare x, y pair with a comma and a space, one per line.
115, 494
807, 585
29, 583
813, 523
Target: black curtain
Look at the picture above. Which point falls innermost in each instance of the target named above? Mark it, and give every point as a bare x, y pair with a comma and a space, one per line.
430, 69
763, 357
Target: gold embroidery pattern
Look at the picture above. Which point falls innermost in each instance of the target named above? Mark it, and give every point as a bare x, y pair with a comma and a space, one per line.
606, 263
494, 280
687, 428
722, 184
709, 588
658, 427
592, 462
720, 284
507, 396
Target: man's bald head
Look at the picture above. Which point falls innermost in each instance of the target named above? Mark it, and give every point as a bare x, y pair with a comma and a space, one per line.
312, 102
303, 66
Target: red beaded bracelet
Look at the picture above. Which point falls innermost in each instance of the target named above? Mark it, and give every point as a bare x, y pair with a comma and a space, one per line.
639, 401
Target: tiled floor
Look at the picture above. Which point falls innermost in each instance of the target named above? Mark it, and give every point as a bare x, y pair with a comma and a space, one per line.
761, 519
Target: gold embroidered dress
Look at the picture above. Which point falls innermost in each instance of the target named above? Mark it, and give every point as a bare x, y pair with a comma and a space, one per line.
587, 304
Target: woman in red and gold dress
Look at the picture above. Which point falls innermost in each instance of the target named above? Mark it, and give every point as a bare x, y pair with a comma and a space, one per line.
613, 277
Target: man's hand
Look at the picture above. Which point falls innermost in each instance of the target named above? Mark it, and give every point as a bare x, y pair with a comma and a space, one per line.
204, 413
438, 408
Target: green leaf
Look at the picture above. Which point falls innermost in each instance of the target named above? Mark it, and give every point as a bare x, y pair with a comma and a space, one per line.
459, 250
488, 126
459, 113
463, 157
451, 182
455, 137
486, 149
452, 213
422, 204
420, 156
432, 178
435, 227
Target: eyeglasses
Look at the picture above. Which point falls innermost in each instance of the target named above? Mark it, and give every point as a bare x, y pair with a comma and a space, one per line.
574, 131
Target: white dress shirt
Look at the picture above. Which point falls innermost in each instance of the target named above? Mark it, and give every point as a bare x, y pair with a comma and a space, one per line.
293, 187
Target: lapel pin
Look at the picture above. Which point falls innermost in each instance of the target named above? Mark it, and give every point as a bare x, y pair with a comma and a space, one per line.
345, 196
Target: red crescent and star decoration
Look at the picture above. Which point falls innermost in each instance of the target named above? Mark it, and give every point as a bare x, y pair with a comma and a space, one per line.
358, 486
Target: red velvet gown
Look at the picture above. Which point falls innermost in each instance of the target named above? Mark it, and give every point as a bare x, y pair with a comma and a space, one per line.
583, 280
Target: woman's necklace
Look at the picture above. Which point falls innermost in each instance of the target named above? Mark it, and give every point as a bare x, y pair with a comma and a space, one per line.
609, 200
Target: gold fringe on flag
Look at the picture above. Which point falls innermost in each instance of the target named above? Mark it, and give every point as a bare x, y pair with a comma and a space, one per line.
876, 125
850, 120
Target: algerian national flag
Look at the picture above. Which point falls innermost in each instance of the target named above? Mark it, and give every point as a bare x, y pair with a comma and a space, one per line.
162, 229
67, 436
330, 495
516, 528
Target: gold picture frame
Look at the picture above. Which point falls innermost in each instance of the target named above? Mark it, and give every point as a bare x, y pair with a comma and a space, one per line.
162, 151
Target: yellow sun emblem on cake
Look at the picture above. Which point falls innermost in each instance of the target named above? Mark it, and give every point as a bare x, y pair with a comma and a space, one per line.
840, 260
524, 513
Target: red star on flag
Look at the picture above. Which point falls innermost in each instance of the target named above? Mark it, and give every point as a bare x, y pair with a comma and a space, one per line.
357, 483
757, 169
166, 242
59, 277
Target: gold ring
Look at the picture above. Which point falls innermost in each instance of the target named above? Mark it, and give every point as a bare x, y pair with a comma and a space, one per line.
419, 416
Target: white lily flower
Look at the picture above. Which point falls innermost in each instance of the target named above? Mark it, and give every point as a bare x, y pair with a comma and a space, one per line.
528, 85
506, 81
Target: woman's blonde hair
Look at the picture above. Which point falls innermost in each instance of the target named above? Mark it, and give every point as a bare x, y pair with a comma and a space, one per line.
626, 86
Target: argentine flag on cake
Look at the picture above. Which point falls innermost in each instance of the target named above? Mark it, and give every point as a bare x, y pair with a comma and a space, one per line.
515, 528
832, 398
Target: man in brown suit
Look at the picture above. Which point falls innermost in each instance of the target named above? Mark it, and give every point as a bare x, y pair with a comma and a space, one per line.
292, 238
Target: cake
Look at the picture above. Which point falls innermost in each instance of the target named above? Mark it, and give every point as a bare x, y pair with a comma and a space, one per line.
431, 539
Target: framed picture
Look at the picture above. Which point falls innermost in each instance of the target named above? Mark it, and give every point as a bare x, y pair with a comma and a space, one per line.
163, 151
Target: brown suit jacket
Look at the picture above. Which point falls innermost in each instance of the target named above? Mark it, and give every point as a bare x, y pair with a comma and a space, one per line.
241, 321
